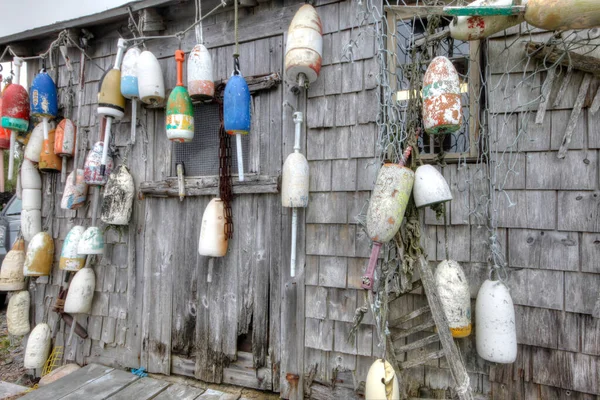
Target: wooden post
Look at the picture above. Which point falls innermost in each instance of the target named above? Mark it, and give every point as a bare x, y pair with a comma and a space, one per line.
553, 55
583, 89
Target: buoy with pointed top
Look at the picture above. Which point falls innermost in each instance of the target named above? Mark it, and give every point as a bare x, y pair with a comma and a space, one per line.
40, 255
304, 47
91, 242
81, 292
180, 111
236, 113
477, 27
111, 103
17, 314
382, 382
430, 187
70, 259
34, 146
44, 99
15, 111
294, 186
453, 291
74, 195
64, 143
129, 84
11, 273
200, 73
38, 347
118, 198
49, 161
91, 172
31, 224
151, 83
442, 107
213, 240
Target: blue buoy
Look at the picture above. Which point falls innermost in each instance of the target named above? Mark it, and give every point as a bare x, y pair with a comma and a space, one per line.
236, 106
44, 99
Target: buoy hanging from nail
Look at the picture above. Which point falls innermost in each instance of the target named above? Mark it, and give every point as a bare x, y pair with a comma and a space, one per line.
477, 27
180, 111
81, 292
44, 99
151, 83
38, 347
64, 143
15, 111
495, 329
442, 107
386, 209
129, 84
382, 382
236, 112
294, 186
17, 314
304, 47
11, 273
213, 240
75, 194
200, 74
117, 205
49, 161
40, 255
453, 291
430, 187
70, 259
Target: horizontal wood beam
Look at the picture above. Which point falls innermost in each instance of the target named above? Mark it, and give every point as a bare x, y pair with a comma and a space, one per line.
209, 186
553, 55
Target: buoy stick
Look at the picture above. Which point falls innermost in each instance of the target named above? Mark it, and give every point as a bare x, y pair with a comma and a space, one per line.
45, 121
180, 181
2, 174
211, 262
73, 324
95, 204
109, 121
368, 277
79, 107
294, 239
133, 119
240, 158
63, 171
11, 157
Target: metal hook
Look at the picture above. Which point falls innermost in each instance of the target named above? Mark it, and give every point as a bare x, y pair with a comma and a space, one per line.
236, 64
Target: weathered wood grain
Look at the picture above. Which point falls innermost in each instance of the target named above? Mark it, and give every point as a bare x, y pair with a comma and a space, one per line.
565, 370
209, 186
583, 89
142, 389
319, 334
537, 288
179, 392
580, 291
552, 55
578, 211
543, 249
104, 386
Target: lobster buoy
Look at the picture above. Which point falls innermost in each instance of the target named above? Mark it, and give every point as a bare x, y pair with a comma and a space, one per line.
70, 259
15, 111
453, 290
213, 241
382, 382
495, 329
32, 199
92, 167
11, 274
236, 114
442, 107
38, 347
44, 99
304, 47
91, 242
563, 15
118, 198
129, 84
430, 187
49, 161
200, 74
17, 314
35, 144
151, 84
40, 254
64, 141
74, 195
81, 292
478, 27
30, 176
31, 223
180, 111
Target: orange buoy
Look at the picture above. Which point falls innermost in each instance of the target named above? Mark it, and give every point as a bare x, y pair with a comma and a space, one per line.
49, 161
64, 143
442, 108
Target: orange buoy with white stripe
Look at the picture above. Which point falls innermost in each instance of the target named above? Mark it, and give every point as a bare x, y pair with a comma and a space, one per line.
442, 107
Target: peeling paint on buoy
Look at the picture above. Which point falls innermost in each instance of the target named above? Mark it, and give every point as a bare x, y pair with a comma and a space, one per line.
70, 259
453, 290
40, 255
93, 161
38, 347
118, 198
74, 195
476, 27
17, 314
91, 242
31, 223
442, 107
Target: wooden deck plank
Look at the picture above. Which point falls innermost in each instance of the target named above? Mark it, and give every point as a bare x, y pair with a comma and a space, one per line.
104, 386
63, 387
211, 394
8, 389
179, 392
142, 389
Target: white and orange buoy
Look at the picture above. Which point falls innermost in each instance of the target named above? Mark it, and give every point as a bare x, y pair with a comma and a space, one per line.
442, 107
70, 259
31, 223
151, 83
477, 27
64, 143
495, 329
49, 161
430, 187
117, 205
304, 47
129, 84
563, 14
386, 209
294, 185
382, 382
40, 255
75, 194
81, 292
38, 347
11, 273
453, 291
17, 314
213, 240
200, 73
35, 144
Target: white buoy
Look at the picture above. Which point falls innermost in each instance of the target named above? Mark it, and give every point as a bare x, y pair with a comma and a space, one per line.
151, 83
31, 223
32, 199
453, 290
36, 142
117, 205
91, 242
30, 176
477, 27
430, 187
382, 382
129, 84
11, 274
38, 347
213, 241
200, 73
70, 259
17, 314
304, 47
81, 292
496, 333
